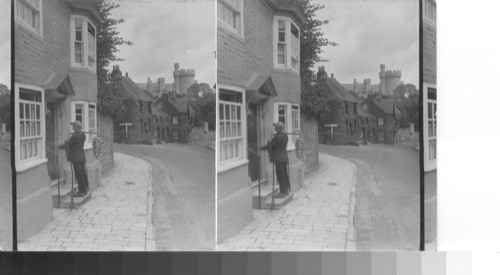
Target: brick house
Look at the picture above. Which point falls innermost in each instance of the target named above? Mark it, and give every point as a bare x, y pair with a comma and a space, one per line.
148, 122
55, 83
343, 112
181, 111
258, 82
386, 114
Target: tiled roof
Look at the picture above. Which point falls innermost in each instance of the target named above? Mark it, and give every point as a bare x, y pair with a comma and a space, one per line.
127, 85
336, 90
364, 113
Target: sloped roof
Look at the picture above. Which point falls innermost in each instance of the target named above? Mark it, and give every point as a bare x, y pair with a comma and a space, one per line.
157, 111
364, 113
386, 105
335, 90
127, 85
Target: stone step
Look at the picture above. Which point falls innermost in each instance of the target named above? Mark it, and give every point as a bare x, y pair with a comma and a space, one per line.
278, 202
77, 201
265, 193
65, 192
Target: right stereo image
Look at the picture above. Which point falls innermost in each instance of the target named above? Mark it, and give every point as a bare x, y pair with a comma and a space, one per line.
326, 125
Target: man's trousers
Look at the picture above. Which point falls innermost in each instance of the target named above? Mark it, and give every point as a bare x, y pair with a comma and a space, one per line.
282, 175
81, 176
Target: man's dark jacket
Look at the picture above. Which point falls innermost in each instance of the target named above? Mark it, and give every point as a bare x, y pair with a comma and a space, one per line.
277, 148
75, 147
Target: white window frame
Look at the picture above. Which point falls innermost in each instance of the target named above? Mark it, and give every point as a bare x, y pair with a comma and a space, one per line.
289, 129
25, 24
288, 41
85, 43
22, 165
242, 158
381, 121
86, 121
429, 164
237, 13
431, 20
175, 120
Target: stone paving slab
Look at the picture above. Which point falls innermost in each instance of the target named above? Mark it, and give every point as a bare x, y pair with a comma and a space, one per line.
320, 218
117, 218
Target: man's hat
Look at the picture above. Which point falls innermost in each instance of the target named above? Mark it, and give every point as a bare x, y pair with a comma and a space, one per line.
279, 125
77, 124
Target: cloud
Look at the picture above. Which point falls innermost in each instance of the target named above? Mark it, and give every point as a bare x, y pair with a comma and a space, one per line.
370, 33
165, 33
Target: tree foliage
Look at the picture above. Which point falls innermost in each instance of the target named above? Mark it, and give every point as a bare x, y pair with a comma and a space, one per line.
406, 98
5, 105
312, 42
109, 99
204, 100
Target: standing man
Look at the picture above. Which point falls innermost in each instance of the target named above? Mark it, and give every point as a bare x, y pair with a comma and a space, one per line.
76, 155
277, 153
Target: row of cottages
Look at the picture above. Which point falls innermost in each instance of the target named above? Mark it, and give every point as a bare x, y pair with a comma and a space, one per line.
55, 83
258, 82
182, 112
146, 122
350, 120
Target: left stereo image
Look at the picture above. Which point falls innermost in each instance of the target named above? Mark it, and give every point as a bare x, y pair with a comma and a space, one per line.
113, 125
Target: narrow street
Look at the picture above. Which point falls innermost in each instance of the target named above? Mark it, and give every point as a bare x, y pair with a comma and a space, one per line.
388, 206
183, 194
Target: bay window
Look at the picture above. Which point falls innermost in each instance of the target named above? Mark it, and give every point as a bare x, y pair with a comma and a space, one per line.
229, 15
289, 115
83, 42
29, 14
230, 126
286, 43
86, 113
30, 124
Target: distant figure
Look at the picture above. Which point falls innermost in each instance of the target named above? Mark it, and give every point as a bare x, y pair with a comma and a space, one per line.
277, 154
76, 155
403, 140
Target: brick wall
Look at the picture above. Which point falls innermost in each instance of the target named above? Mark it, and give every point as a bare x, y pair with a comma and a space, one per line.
37, 57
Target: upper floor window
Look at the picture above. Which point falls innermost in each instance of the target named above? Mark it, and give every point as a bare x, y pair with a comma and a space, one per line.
430, 12
29, 14
430, 126
229, 14
286, 43
175, 120
83, 42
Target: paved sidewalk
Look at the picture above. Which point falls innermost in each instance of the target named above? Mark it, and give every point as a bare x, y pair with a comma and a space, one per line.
117, 218
320, 217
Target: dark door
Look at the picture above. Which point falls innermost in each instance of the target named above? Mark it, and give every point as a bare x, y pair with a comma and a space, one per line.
252, 140
50, 132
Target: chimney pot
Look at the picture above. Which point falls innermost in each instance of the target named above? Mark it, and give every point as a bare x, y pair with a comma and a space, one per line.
126, 74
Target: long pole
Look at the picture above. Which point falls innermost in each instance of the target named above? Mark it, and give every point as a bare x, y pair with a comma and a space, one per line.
259, 182
272, 193
72, 183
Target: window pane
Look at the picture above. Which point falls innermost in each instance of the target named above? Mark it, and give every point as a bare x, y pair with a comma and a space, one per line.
221, 130
432, 149
221, 111
233, 112
21, 110
429, 110
238, 109
227, 112
228, 130
21, 129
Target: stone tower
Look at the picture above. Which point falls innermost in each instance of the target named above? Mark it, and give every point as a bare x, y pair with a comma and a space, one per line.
389, 80
183, 79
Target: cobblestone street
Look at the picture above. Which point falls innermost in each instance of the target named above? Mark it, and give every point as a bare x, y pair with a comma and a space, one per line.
117, 218
320, 217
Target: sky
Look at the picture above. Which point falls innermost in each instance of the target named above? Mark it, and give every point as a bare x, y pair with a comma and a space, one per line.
167, 32
5, 43
370, 33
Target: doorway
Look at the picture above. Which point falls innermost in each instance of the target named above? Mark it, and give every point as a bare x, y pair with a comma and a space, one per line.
50, 143
253, 142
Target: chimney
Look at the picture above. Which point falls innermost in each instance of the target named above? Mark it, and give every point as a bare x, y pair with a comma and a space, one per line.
321, 75
126, 74
331, 76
